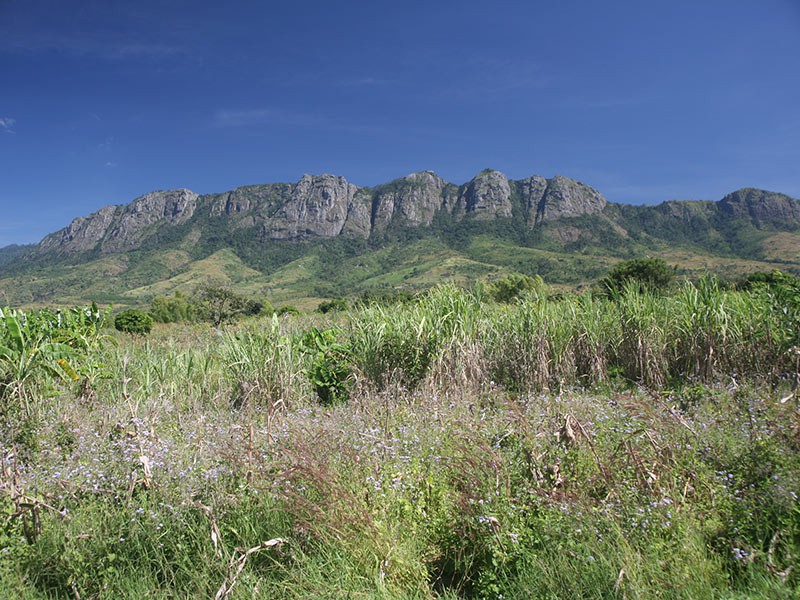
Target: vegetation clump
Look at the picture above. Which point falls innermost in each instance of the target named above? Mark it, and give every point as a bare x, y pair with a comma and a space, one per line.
40, 348
334, 305
648, 274
220, 303
329, 370
134, 321
212, 302
515, 287
174, 309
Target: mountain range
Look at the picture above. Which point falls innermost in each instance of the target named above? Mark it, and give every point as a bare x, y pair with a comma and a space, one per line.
324, 236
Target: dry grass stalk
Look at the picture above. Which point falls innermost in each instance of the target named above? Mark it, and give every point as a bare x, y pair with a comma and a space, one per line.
237, 565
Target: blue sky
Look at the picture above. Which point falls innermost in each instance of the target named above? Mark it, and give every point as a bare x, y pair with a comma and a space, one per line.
103, 101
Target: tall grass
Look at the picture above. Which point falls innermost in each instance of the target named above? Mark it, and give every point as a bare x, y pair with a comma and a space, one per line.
264, 365
702, 333
405, 346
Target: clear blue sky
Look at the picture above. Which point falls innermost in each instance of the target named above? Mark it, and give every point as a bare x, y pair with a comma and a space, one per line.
102, 101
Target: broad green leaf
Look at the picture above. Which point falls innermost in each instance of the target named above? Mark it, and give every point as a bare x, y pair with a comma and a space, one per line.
14, 331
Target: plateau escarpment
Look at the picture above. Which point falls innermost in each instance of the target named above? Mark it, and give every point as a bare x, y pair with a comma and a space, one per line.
557, 213
326, 206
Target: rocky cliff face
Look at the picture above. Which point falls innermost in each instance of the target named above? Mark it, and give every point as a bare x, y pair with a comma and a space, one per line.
122, 228
411, 201
558, 198
329, 206
488, 196
318, 207
83, 234
566, 197
132, 223
762, 207
256, 199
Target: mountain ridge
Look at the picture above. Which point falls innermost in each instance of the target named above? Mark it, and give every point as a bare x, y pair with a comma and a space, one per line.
327, 206
560, 228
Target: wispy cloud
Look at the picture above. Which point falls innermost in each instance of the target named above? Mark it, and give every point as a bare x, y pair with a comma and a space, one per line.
364, 82
270, 116
504, 75
147, 50
607, 101
106, 146
97, 47
7, 124
252, 117
35, 38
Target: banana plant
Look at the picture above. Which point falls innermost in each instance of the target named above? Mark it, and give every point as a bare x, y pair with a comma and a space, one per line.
26, 352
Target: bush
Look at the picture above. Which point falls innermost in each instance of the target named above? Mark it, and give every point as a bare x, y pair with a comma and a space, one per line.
329, 370
173, 309
337, 304
773, 279
133, 321
652, 274
514, 287
258, 307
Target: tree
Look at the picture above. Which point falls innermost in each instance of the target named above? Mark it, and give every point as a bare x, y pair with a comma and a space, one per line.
220, 302
652, 274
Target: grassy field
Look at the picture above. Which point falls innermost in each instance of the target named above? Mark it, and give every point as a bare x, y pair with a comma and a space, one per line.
640, 446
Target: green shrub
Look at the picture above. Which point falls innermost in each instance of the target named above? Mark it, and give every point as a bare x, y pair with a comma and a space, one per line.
257, 307
336, 304
773, 279
515, 286
220, 303
174, 309
330, 370
133, 321
652, 274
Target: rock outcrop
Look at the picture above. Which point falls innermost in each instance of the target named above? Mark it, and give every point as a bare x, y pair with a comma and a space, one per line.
83, 234
259, 199
488, 196
762, 207
531, 193
568, 198
318, 207
557, 198
121, 228
410, 201
156, 208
